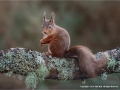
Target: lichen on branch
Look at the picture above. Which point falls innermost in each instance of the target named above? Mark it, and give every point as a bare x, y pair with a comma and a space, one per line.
37, 66
24, 62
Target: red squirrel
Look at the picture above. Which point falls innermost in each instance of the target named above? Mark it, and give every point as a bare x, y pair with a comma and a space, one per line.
58, 41
57, 38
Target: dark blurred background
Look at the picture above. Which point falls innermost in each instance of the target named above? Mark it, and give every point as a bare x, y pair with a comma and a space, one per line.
95, 24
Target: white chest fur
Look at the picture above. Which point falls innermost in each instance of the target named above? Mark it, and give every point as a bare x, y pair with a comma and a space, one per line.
49, 49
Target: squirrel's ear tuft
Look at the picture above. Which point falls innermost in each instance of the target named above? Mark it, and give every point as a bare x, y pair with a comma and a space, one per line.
44, 16
52, 17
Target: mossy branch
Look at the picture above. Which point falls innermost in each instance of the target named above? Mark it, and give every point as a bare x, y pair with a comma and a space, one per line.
37, 66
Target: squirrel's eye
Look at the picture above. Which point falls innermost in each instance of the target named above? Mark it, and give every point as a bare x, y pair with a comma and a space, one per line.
49, 26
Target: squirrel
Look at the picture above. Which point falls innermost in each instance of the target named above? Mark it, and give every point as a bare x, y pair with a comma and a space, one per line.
58, 41
57, 38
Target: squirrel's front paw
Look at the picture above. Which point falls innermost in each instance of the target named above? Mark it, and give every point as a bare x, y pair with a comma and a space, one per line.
48, 54
41, 43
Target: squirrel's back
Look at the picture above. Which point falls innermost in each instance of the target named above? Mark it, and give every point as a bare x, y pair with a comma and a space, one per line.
60, 44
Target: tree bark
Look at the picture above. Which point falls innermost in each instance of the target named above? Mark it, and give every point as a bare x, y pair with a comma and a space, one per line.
21, 61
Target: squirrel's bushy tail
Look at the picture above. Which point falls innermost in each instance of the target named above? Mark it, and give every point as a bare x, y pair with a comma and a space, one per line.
102, 61
88, 64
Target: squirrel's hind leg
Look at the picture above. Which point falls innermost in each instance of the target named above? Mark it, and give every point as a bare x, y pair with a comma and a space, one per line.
56, 50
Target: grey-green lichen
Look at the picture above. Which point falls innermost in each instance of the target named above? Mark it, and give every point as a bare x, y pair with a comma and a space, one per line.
112, 63
64, 68
98, 55
31, 80
9, 73
19, 60
83, 81
24, 62
39, 75
42, 72
114, 60
118, 68
20, 77
104, 76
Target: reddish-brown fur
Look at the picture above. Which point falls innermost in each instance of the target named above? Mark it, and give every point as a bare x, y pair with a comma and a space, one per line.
58, 41
57, 38
89, 65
